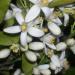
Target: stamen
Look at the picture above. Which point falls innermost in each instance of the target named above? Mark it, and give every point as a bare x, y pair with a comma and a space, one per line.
50, 53
44, 2
23, 27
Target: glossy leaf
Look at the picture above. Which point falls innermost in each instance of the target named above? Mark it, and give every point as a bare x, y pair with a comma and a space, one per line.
7, 40
56, 3
3, 8
26, 66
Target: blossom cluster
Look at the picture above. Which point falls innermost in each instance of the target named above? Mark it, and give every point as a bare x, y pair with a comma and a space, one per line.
40, 32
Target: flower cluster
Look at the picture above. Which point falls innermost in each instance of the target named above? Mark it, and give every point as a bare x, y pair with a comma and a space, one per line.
41, 36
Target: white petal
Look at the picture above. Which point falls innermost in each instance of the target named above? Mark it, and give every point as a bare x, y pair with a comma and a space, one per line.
66, 19
4, 53
35, 1
33, 13
61, 46
52, 46
17, 72
19, 18
54, 28
15, 8
12, 29
62, 56
44, 66
23, 38
55, 60
57, 21
36, 46
47, 11
8, 15
29, 39
53, 66
35, 32
31, 56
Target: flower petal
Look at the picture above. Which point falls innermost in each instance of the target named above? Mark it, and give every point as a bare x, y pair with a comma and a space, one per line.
33, 13
35, 1
54, 28
19, 18
8, 15
66, 19
57, 21
12, 29
52, 46
23, 38
35, 32
55, 60
47, 11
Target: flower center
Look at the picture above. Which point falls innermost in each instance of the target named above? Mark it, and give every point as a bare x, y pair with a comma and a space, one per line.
50, 53
44, 2
52, 40
23, 27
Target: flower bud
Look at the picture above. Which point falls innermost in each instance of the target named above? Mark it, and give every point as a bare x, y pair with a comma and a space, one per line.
54, 28
4, 53
61, 46
70, 42
36, 46
31, 56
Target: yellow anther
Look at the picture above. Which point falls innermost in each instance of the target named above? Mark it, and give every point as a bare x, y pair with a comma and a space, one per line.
45, 29
50, 53
44, 2
52, 40
23, 27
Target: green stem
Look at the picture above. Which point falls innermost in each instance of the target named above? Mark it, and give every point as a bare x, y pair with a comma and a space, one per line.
56, 3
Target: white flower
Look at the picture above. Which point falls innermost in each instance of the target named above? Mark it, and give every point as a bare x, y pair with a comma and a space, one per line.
23, 27
48, 40
37, 7
57, 63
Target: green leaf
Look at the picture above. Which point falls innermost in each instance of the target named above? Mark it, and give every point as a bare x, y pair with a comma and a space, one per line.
3, 8
7, 40
26, 66
56, 3
71, 71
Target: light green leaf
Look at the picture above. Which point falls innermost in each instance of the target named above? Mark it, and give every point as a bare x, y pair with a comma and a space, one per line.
26, 66
7, 40
56, 3
3, 8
